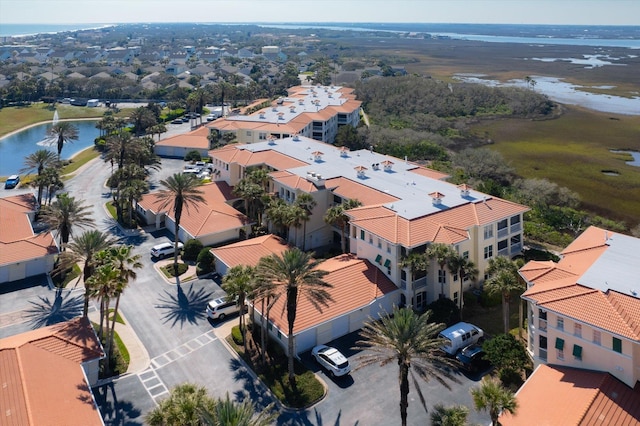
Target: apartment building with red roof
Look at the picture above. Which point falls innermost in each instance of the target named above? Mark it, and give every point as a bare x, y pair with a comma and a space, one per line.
406, 207
312, 111
584, 310
23, 252
47, 375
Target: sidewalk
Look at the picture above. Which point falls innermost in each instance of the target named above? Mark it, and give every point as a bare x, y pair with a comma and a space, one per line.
138, 356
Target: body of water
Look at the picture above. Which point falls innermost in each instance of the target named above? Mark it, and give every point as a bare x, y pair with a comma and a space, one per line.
14, 148
15, 30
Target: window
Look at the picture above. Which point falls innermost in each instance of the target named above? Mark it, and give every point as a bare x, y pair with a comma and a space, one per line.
379, 243
503, 245
465, 254
577, 352
455, 297
488, 252
577, 329
379, 259
248, 132
362, 235
617, 345
388, 248
597, 337
370, 239
442, 276
542, 314
559, 348
387, 263
262, 136
488, 232
560, 323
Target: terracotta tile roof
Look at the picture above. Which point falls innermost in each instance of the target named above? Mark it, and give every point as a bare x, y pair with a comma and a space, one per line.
588, 398
42, 376
213, 193
449, 226
247, 158
563, 288
18, 243
430, 173
196, 139
293, 181
249, 252
356, 283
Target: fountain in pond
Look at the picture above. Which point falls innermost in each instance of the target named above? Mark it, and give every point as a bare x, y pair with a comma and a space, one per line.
50, 140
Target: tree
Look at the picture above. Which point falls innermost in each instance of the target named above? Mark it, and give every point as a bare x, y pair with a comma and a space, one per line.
455, 415
142, 118
231, 413
307, 203
103, 285
506, 353
465, 269
416, 263
82, 250
411, 341
184, 407
503, 280
296, 274
494, 399
64, 215
63, 132
181, 191
336, 216
238, 283
39, 160
441, 253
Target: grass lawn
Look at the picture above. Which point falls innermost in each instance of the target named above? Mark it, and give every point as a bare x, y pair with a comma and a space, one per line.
15, 118
79, 160
573, 151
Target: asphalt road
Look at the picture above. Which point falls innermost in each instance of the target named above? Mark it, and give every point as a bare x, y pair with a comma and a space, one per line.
170, 321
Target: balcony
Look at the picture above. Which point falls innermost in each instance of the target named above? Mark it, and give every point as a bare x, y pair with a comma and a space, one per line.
542, 354
403, 284
516, 227
503, 252
516, 248
542, 325
420, 283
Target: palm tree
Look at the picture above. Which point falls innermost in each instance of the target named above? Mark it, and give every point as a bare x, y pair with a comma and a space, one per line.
411, 341
504, 282
83, 249
238, 283
184, 407
231, 413
296, 273
64, 214
491, 396
415, 262
39, 160
104, 284
465, 269
455, 415
251, 192
441, 253
336, 216
181, 191
307, 203
267, 293
50, 179
126, 263
64, 132
279, 214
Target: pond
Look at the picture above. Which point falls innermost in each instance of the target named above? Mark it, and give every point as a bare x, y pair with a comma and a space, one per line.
14, 148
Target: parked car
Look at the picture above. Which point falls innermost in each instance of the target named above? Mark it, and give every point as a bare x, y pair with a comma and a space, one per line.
185, 119
220, 308
177, 121
163, 250
471, 359
458, 336
11, 182
332, 360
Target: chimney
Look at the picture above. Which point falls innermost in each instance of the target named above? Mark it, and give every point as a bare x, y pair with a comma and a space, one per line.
360, 170
464, 189
436, 198
387, 165
344, 152
296, 137
317, 156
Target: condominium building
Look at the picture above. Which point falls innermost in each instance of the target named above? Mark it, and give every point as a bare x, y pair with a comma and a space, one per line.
584, 311
311, 111
405, 208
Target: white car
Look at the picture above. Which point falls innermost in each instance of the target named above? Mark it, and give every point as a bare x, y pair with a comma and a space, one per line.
165, 249
220, 308
332, 360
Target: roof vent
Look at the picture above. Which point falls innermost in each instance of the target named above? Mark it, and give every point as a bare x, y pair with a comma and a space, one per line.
464, 189
436, 198
387, 165
262, 115
360, 170
344, 152
317, 156
296, 137
272, 140
300, 101
274, 109
281, 116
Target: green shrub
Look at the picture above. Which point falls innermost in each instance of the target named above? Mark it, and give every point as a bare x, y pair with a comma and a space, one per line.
444, 311
191, 250
205, 261
488, 300
236, 335
169, 271
193, 156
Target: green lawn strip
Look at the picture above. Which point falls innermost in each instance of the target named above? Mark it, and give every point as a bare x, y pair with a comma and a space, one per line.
111, 209
275, 376
62, 280
121, 358
79, 160
118, 317
573, 151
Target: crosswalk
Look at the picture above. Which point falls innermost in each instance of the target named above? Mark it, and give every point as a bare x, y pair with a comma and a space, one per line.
152, 383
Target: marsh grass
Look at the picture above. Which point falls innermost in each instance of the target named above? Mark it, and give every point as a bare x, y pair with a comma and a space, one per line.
572, 151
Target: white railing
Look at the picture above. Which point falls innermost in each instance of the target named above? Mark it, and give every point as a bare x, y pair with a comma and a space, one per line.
516, 248
516, 227
503, 232
419, 283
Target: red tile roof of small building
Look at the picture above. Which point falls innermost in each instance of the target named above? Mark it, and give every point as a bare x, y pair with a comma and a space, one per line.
556, 395
249, 252
356, 283
196, 139
43, 380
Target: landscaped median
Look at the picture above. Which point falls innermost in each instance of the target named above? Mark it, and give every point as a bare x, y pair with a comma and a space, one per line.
273, 372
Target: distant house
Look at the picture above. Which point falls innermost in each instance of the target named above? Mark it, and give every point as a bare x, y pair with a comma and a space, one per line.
23, 253
47, 375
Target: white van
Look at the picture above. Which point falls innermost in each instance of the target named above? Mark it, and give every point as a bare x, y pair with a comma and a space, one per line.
163, 250
220, 308
458, 336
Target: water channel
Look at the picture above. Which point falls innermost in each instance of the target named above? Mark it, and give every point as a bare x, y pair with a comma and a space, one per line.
14, 148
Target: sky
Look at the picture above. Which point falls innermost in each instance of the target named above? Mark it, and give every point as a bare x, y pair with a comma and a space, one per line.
568, 12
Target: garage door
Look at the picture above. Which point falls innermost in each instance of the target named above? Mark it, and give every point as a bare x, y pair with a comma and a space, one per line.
17, 271
340, 326
324, 333
357, 319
